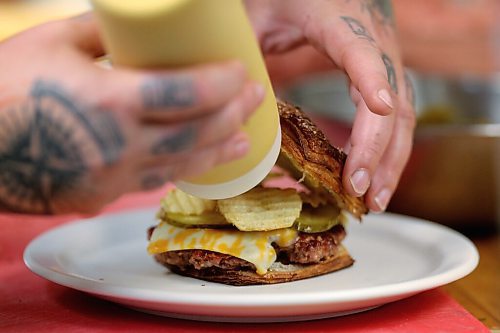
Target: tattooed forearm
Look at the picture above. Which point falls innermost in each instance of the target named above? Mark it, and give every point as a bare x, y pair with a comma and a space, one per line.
177, 142
160, 93
391, 72
358, 28
47, 146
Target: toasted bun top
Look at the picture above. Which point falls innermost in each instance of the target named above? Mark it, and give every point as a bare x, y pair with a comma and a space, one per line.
307, 154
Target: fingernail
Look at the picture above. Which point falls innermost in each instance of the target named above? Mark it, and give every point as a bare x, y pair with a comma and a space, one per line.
382, 199
259, 91
385, 96
360, 181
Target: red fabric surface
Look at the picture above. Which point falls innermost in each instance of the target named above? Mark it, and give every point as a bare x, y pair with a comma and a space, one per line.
29, 303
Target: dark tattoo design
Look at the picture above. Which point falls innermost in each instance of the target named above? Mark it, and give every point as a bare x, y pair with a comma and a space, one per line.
410, 90
358, 28
175, 143
391, 72
47, 146
160, 93
380, 11
100, 125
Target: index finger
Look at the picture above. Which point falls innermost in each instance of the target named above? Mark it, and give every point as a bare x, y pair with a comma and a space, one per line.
373, 74
353, 48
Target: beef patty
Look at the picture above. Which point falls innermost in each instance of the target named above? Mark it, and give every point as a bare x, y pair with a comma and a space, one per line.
308, 249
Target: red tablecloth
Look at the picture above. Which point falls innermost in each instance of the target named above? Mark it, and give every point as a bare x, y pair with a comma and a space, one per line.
29, 303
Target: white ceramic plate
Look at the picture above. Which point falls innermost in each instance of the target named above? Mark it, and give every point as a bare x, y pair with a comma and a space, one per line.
396, 257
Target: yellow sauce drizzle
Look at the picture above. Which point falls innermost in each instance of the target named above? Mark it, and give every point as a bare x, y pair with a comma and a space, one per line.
254, 247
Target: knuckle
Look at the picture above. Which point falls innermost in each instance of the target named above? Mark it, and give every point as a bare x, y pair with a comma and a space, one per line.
179, 140
374, 149
171, 91
370, 154
111, 98
349, 53
223, 123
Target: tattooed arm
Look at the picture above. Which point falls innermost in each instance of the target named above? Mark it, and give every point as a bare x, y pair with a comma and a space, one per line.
74, 136
358, 37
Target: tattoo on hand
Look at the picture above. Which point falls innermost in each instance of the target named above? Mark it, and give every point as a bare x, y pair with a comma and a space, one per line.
160, 93
380, 11
358, 28
47, 146
391, 72
177, 142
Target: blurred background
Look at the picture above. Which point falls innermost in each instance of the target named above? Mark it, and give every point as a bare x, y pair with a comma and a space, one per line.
452, 48
18, 15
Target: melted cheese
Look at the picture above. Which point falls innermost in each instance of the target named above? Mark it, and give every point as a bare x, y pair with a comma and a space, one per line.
255, 247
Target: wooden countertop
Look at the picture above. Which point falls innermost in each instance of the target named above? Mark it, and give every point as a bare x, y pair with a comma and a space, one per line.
479, 292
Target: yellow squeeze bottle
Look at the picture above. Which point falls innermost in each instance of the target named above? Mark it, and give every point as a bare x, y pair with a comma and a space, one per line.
179, 33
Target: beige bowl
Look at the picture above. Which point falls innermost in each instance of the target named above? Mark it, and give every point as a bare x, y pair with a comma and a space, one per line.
453, 176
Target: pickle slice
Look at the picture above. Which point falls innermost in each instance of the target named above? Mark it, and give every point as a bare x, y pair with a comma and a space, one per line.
322, 218
208, 219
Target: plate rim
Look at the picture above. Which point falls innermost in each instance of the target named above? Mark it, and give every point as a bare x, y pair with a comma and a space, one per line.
319, 297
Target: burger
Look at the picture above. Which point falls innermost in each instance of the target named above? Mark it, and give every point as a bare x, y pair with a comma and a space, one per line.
289, 227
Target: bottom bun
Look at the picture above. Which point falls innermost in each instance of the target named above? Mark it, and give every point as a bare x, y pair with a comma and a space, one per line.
278, 273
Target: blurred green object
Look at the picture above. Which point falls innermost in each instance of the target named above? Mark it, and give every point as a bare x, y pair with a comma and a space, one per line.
442, 114
438, 114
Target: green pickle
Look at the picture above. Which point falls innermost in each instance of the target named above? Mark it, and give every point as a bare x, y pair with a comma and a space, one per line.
323, 218
210, 219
